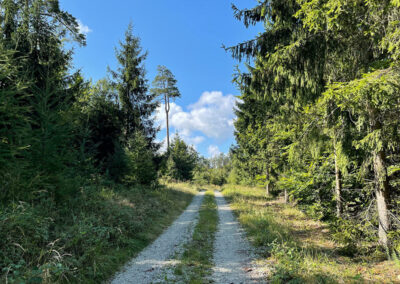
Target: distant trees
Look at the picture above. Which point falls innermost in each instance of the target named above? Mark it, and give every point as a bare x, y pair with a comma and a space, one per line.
164, 85
214, 170
322, 101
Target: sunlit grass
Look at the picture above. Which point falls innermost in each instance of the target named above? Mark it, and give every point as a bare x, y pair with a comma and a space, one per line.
299, 249
196, 261
154, 210
89, 238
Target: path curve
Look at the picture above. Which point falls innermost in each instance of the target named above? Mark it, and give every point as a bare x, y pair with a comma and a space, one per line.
149, 266
233, 255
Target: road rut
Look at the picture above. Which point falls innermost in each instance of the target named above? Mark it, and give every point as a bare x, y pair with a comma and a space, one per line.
150, 265
234, 258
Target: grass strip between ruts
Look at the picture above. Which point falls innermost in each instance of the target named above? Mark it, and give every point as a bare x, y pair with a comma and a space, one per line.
196, 261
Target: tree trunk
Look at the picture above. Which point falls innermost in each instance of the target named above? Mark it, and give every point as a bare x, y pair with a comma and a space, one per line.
167, 132
286, 196
381, 179
167, 108
382, 196
267, 181
338, 187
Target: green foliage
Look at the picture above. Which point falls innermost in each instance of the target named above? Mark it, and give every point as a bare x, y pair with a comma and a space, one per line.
137, 104
141, 169
318, 116
350, 235
213, 171
102, 119
202, 176
164, 84
14, 128
62, 139
218, 177
181, 160
37, 93
164, 87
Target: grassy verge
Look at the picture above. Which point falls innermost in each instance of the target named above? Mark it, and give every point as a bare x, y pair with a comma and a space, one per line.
87, 239
196, 261
298, 249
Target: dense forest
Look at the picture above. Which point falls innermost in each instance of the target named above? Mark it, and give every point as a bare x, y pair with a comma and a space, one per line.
82, 173
318, 116
66, 141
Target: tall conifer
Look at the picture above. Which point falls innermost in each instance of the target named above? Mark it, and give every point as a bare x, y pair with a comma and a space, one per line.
136, 103
164, 85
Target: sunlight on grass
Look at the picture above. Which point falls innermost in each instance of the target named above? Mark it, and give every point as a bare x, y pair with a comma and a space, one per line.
96, 235
196, 261
299, 249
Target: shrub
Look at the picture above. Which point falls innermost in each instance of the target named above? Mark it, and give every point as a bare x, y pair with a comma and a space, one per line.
349, 234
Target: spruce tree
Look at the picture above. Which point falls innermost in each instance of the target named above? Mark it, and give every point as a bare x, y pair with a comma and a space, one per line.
35, 31
307, 46
137, 104
182, 160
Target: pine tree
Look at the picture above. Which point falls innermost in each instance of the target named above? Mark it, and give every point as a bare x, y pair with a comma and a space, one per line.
164, 85
376, 88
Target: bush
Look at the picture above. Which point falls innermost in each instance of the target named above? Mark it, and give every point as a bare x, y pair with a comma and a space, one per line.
141, 169
315, 211
26, 235
349, 234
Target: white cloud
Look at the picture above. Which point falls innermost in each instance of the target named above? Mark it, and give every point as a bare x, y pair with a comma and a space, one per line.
211, 115
213, 151
163, 145
194, 140
83, 29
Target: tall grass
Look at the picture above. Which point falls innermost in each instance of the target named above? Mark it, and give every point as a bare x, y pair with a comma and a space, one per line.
86, 239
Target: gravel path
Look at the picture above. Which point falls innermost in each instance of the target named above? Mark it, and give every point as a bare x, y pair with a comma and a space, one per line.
233, 255
151, 265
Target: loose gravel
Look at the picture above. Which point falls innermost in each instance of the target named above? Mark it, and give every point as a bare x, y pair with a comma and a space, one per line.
152, 265
234, 257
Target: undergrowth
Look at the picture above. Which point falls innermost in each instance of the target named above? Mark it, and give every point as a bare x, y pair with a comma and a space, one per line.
85, 239
298, 249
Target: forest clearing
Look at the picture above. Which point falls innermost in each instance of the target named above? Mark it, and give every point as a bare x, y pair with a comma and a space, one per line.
200, 141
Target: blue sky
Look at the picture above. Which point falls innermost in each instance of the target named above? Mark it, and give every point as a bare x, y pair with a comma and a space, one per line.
184, 35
